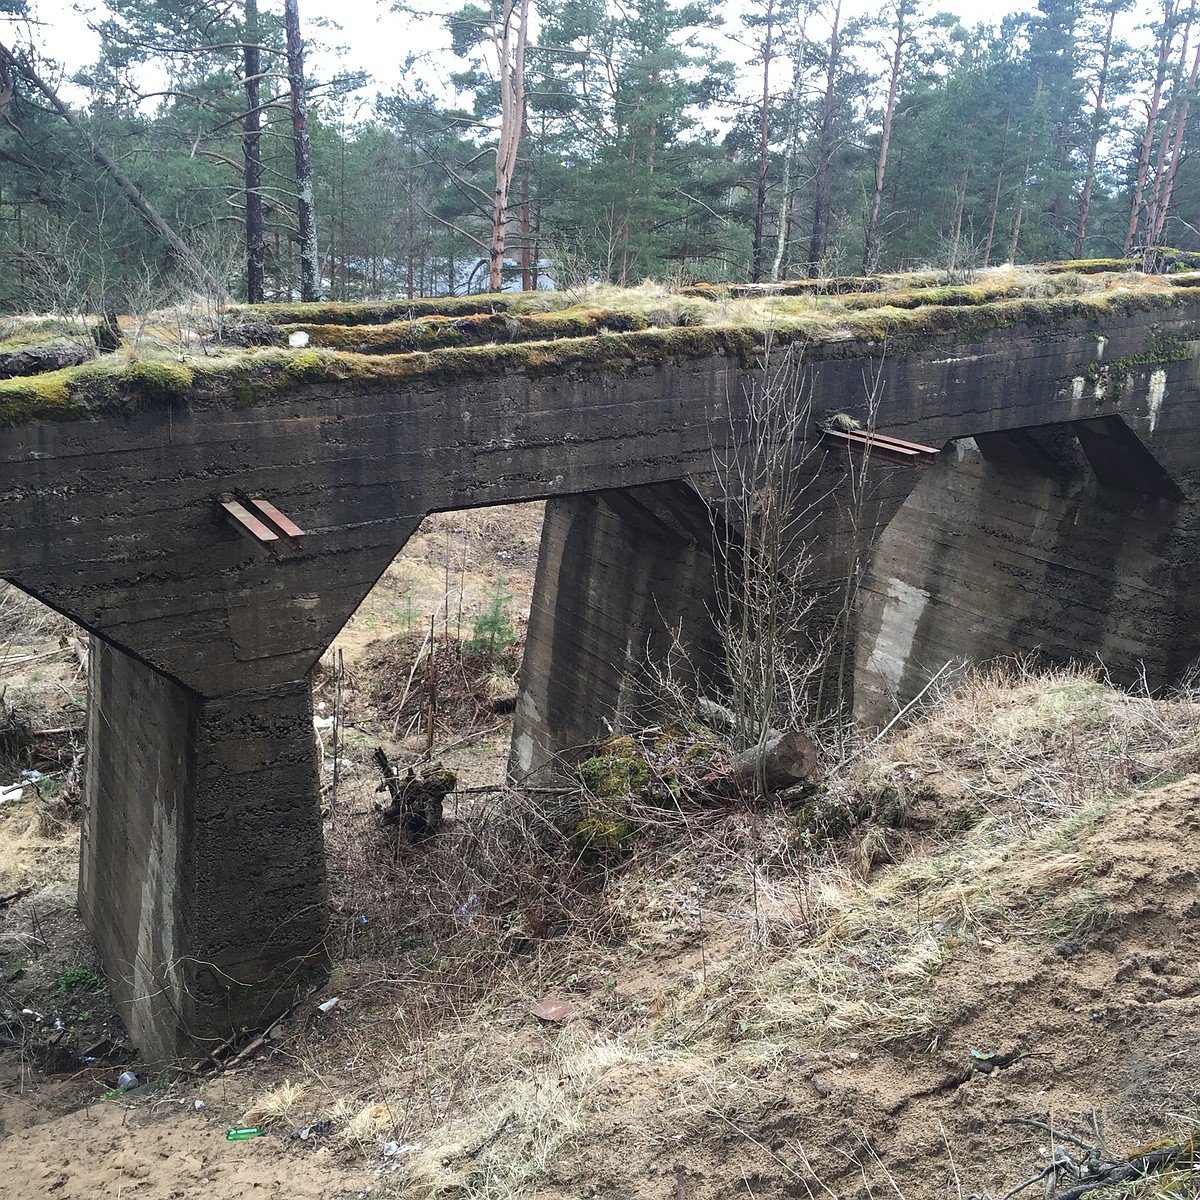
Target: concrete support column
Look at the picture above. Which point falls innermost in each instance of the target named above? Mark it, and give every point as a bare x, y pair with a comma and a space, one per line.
1011, 544
621, 574
202, 870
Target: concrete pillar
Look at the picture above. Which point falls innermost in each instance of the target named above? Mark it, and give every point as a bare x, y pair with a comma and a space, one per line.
202, 869
620, 574
1013, 544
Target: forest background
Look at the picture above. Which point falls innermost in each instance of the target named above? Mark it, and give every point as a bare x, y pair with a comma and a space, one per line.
573, 141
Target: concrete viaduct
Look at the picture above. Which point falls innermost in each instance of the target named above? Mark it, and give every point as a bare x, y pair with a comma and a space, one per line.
1062, 512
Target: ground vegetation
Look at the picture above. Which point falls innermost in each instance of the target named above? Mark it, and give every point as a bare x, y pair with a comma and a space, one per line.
961, 960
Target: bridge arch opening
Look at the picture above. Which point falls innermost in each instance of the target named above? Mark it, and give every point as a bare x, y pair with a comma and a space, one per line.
1056, 539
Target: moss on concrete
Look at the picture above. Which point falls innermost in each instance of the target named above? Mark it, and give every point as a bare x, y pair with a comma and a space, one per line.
40, 397
580, 341
74, 393
380, 312
442, 332
1162, 348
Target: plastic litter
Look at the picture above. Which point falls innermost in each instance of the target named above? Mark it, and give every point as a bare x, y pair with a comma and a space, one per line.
316, 1129
298, 340
127, 1081
328, 1005
391, 1149
243, 1135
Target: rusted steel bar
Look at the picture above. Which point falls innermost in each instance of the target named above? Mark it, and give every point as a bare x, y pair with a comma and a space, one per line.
881, 446
279, 520
247, 524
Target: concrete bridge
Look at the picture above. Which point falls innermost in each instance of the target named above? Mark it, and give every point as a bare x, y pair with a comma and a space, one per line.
1061, 513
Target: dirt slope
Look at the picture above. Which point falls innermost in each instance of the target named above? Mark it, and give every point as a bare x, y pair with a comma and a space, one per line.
1101, 1031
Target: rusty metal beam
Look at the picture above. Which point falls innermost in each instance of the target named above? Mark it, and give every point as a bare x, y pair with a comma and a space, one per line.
286, 526
881, 446
247, 524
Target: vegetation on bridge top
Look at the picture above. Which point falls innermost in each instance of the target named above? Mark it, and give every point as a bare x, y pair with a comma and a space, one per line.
438, 342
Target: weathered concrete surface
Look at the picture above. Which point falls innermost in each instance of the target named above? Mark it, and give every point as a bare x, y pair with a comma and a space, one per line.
200, 776
1077, 539
201, 866
624, 579
991, 558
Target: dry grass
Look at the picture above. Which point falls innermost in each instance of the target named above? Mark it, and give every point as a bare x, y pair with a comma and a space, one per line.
274, 1105
988, 798
496, 1143
985, 802
719, 940
22, 617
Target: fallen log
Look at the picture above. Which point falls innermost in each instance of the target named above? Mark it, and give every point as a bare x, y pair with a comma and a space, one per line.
35, 360
784, 760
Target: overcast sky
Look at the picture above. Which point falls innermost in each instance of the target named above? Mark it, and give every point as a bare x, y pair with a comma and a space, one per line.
378, 39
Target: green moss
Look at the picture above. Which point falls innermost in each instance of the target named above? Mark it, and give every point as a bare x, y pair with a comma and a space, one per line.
836, 286
160, 380
579, 341
374, 313
825, 817
1161, 348
946, 296
602, 834
1158, 259
305, 365
1092, 266
610, 775
441, 332
38, 397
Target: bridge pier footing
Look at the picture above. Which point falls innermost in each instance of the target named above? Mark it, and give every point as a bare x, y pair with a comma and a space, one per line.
622, 575
202, 867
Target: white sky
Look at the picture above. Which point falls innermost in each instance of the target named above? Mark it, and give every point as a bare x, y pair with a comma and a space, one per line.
377, 39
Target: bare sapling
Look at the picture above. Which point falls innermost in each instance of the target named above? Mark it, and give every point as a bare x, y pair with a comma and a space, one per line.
770, 487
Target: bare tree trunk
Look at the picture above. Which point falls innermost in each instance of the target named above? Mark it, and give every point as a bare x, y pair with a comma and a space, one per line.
1158, 175
760, 203
960, 205
1152, 110
1089, 177
256, 252
816, 244
527, 274
305, 212
342, 209
510, 53
128, 188
1177, 153
870, 250
1173, 132
991, 234
1019, 214
793, 137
